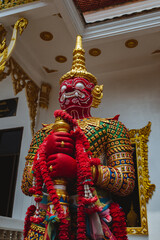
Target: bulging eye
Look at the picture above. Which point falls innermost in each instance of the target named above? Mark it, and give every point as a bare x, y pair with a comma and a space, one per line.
63, 88
80, 86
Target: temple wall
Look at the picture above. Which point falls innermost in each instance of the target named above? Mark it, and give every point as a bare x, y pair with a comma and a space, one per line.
21, 119
134, 94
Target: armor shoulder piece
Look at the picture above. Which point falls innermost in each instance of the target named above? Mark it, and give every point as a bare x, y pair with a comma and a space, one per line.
117, 129
38, 139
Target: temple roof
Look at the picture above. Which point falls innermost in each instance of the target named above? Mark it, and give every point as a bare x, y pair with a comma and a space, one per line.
94, 5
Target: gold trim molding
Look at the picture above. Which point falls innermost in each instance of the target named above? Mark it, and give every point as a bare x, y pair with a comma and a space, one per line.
14, 3
139, 137
20, 81
142, 135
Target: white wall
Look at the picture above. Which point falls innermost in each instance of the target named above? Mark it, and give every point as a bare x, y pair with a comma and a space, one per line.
21, 119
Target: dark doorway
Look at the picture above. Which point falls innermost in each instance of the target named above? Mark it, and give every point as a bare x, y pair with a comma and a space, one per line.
10, 145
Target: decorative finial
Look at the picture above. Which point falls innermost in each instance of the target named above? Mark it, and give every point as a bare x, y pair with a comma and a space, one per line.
78, 42
78, 66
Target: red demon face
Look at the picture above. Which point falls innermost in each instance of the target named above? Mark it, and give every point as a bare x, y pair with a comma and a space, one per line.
75, 93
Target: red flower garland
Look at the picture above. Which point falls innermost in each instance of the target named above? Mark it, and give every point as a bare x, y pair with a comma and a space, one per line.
30, 212
118, 227
84, 175
42, 174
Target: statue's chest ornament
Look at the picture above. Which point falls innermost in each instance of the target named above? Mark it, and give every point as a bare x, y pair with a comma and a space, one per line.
96, 133
95, 122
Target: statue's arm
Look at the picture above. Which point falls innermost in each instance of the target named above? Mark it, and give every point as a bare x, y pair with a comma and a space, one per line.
27, 178
118, 176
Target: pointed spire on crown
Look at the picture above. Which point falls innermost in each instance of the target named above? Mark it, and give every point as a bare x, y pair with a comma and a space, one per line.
78, 66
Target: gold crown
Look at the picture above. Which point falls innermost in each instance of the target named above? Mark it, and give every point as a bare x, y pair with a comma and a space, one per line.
78, 66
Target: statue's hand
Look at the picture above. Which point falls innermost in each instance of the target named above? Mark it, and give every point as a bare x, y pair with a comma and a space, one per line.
60, 142
62, 165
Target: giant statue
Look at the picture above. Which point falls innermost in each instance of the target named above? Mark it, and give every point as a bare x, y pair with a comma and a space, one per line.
76, 164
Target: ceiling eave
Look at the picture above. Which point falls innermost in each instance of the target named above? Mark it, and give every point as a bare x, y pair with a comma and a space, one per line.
107, 29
